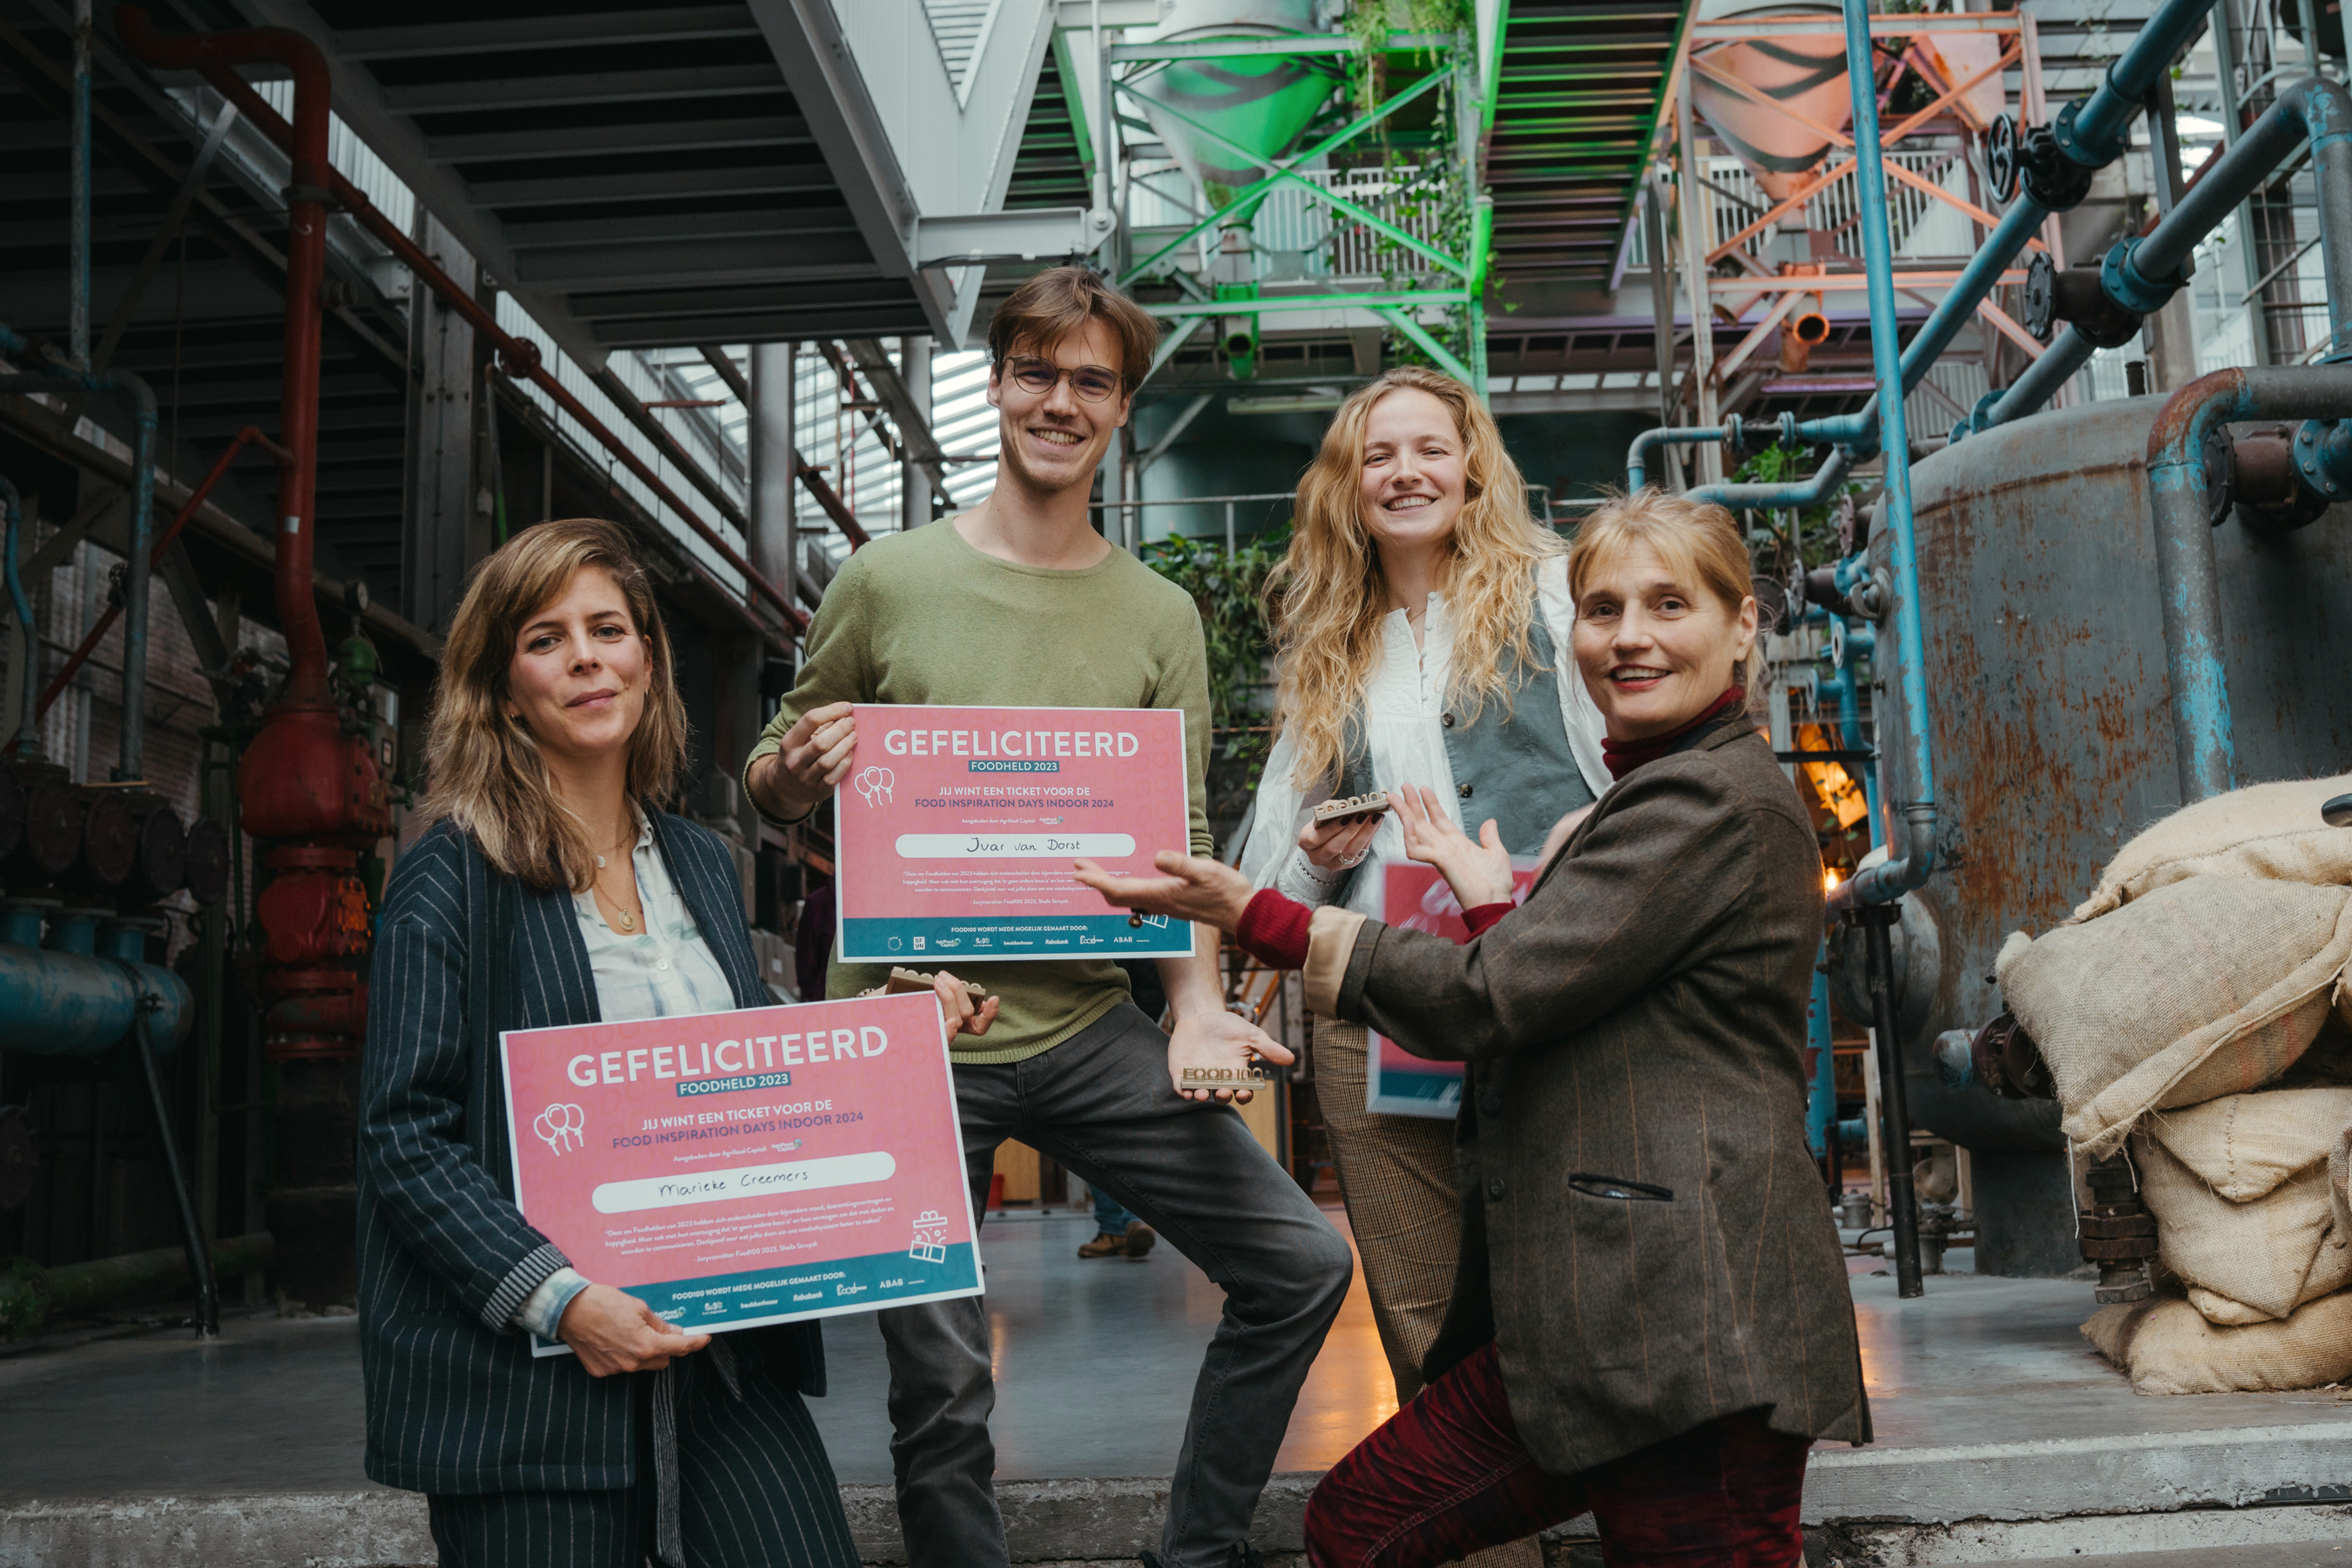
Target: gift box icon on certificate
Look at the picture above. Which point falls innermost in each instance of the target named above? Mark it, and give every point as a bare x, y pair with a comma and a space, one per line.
930, 1244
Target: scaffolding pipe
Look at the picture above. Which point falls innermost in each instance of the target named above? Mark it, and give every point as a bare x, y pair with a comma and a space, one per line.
77, 304
2188, 580
1890, 879
131, 759
518, 357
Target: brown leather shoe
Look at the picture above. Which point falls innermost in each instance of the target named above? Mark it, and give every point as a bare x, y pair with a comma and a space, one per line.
1139, 1238
1105, 1245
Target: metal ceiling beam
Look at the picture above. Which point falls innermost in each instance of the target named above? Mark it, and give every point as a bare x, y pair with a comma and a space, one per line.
402, 146
602, 140
718, 261
645, 229
533, 34
834, 293
655, 185
518, 92
761, 327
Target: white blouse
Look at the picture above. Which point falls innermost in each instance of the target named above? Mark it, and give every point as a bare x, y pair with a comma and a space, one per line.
1403, 700
665, 969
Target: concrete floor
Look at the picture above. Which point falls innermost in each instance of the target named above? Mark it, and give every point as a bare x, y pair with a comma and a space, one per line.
1989, 1404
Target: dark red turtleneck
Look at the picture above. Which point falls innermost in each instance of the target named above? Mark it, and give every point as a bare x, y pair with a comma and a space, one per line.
1624, 756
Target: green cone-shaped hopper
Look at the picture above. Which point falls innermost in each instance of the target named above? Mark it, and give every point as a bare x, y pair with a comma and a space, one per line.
1258, 102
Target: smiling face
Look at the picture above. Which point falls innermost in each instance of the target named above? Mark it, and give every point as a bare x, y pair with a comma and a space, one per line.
1053, 440
580, 672
1414, 482
1655, 650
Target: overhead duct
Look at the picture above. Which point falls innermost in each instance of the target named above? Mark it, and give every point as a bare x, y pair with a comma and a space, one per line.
1803, 75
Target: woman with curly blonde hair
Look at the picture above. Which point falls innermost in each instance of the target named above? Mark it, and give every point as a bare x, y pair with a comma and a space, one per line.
1422, 623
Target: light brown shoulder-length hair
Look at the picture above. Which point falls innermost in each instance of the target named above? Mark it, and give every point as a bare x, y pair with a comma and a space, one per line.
1699, 544
1327, 598
487, 773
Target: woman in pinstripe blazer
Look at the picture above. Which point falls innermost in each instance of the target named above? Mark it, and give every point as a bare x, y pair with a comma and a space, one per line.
549, 892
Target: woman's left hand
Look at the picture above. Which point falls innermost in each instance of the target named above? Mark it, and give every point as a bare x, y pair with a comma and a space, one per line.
1191, 887
956, 1009
1479, 873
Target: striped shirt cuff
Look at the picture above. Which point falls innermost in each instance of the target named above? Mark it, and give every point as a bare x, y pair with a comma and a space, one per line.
521, 1281
542, 1312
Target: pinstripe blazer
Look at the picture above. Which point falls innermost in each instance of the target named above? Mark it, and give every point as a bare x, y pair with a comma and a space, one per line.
455, 1402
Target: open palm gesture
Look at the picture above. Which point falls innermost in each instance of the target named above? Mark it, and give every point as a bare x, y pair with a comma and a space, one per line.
1479, 873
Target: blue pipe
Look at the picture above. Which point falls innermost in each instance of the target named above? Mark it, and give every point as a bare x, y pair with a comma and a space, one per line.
1637, 455
1812, 490
137, 574
1820, 1098
1890, 879
27, 741
2140, 273
80, 996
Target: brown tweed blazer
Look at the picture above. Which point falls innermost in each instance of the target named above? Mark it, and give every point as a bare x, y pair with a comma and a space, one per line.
1645, 1233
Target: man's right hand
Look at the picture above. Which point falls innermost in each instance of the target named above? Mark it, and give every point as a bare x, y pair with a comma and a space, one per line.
817, 753
613, 1331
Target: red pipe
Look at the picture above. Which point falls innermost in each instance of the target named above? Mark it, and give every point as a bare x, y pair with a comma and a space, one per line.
518, 357
306, 260
245, 437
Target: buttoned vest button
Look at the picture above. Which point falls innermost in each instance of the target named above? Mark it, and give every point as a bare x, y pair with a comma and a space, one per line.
1447, 719
1494, 1187
1490, 1104
1465, 792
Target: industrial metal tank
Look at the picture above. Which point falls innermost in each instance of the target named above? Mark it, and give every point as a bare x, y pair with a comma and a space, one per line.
2053, 735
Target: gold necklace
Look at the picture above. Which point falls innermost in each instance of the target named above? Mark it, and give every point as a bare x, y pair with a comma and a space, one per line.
627, 915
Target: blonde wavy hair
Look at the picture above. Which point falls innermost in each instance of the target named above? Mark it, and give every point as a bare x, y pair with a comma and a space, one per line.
1327, 598
1698, 543
487, 775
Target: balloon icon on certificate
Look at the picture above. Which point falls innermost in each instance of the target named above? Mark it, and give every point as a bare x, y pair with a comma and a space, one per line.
875, 784
562, 1127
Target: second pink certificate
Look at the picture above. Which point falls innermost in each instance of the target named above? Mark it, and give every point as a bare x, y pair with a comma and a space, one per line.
956, 828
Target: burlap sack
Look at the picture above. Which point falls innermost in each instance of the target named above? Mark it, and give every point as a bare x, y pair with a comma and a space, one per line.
2168, 1348
2238, 1189
2199, 989
2271, 831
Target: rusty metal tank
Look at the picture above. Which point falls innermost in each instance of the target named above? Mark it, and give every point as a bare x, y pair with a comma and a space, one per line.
2053, 737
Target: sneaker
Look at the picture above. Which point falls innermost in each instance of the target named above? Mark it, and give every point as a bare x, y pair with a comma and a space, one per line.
1139, 1238
1105, 1245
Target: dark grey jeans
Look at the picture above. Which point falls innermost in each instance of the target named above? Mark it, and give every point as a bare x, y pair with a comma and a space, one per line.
1100, 1103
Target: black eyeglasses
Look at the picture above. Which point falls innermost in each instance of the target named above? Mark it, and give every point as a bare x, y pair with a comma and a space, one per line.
1039, 377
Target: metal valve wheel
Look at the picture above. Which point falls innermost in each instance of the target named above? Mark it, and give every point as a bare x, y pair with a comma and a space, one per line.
2000, 158
2041, 297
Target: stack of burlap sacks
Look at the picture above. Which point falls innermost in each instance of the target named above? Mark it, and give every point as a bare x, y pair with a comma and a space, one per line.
2195, 1013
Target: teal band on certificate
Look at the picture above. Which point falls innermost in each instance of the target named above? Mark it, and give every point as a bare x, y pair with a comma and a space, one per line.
949, 938
844, 1285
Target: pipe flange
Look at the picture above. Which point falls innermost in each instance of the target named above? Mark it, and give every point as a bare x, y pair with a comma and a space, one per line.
1735, 437
1872, 596
2051, 178
2130, 288
2040, 297
2069, 141
2322, 457
521, 361
1789, 428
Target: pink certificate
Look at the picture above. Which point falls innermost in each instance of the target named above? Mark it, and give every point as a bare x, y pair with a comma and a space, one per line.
1414, 896
956, 828
735, 1168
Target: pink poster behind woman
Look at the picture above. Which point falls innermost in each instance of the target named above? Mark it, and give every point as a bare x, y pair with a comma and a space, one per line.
762, 1166
956, 829
1416, 898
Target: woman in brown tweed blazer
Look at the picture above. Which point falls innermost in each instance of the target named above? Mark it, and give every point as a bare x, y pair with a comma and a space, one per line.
1651, 1318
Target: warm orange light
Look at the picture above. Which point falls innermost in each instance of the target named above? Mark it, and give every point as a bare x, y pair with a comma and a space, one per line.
1828, 879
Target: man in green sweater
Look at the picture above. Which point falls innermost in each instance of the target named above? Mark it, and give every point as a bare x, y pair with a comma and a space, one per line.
1021, 603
